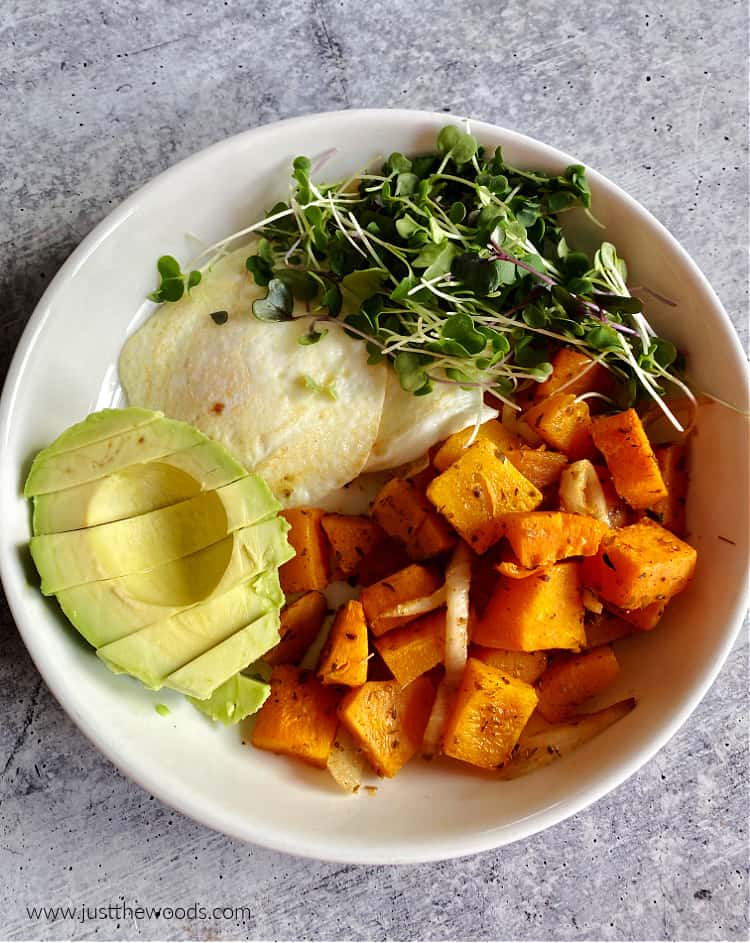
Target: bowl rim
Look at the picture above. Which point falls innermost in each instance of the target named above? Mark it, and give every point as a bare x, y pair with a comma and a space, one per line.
209, 815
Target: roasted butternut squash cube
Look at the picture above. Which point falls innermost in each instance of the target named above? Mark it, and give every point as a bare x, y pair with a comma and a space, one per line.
415, 648
670, 511
300, 623
432, 538
352, 537
623, 442
576, 373
404, 513
478, 490
298, 718
388, 720
344, 656
544, 610
309, 567
489, 712
455, 445
541, 467
524, 666
539, 538
563, 424
387, 558
606, 627
413, 582
644, 619
570, 682
639, 565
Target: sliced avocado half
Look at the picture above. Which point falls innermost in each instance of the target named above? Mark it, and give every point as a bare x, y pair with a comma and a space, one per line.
107, 610
149, 540
137, 489
163, 551
153, 653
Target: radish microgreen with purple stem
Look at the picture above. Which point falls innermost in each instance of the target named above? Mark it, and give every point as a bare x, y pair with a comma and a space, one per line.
453, 267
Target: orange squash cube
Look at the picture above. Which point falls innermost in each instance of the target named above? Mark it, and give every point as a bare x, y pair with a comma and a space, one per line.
413, 582
477, 491
544, 610
623, 442
383, 560
541, 467
455, 445
388, 720
309, 567
577, 373
415, 648
352, 537
639, 565
670, 511
298, 718
606, 627
539, 538
524, 666
300, 623
564, 424
489, 712
344, 656
404, 513
644, 619
569, 683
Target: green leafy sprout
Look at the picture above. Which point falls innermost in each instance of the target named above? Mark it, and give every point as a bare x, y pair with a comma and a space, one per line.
452, 267
174, 282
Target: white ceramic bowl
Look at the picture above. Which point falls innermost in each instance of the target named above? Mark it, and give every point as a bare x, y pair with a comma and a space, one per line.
65, 367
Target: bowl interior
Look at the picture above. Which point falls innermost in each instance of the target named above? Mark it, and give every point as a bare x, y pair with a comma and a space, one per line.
66, 367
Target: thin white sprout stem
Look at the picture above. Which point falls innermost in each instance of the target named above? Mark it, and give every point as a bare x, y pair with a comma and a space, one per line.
643, 377
343, 228
368, 245
593, 395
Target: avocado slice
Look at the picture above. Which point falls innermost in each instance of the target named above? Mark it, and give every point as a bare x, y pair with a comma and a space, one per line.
107, 610
153, 653
137, 489
53, 470
100, 425
150, 540
200, 677
236, 699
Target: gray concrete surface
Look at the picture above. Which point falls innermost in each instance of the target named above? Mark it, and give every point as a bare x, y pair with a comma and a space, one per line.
97, 98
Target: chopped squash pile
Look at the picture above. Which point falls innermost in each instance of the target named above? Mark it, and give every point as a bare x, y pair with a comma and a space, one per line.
492, 586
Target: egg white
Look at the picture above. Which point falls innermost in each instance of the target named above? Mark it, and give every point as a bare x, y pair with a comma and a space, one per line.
410, 424
243, 383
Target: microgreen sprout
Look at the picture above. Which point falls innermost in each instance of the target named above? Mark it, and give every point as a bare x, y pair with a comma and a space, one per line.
174, 282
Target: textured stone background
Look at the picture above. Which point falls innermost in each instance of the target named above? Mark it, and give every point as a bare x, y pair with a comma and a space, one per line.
97, 98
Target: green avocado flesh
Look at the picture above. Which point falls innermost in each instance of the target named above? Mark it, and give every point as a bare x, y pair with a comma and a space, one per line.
53, 471
107, 610
149, 540
204, 674
99, 426
236, 699
153, 653
137, 489
163, 552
